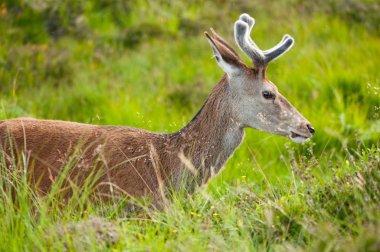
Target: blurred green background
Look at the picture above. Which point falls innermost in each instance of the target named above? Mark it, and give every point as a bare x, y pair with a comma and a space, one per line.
147, 64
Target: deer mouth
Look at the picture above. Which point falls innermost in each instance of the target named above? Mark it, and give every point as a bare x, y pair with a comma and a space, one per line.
297, 138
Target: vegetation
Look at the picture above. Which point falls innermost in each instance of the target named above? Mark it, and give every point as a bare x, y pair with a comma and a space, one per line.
147, 64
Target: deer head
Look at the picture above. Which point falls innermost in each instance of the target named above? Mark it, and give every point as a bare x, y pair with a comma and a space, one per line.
254, 100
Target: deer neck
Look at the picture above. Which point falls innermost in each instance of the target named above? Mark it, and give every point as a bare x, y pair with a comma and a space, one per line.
212, 136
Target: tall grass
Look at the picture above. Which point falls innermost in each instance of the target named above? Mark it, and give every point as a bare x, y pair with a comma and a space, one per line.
146, 64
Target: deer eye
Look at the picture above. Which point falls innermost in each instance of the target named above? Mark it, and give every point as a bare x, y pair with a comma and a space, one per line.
268, 95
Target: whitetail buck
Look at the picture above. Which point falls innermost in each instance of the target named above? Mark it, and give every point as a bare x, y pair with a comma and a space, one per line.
139, 163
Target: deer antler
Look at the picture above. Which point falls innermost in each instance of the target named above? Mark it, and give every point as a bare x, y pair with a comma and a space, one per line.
243, 28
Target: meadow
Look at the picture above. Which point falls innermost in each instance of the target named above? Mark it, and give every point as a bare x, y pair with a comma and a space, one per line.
147, 64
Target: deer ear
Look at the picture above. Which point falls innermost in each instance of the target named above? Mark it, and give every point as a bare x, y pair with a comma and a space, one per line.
226, 59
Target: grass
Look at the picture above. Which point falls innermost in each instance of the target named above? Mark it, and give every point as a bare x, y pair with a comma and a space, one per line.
147, 64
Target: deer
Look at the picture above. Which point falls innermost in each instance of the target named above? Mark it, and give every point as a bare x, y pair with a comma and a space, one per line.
140, 163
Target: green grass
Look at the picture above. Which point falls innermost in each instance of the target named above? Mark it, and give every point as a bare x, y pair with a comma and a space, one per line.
147, 64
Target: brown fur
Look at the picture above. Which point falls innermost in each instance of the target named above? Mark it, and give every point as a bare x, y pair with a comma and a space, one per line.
136, 162
125, 156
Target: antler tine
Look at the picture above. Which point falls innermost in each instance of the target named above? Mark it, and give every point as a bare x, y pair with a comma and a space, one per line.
251, 22
242, 39
282, 40
283, 46
248, 19
279, 44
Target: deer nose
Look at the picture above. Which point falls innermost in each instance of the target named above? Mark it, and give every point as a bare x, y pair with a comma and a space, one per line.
311, 129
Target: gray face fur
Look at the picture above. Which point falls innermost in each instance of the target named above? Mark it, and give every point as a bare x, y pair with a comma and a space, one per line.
255, 101
275, 115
